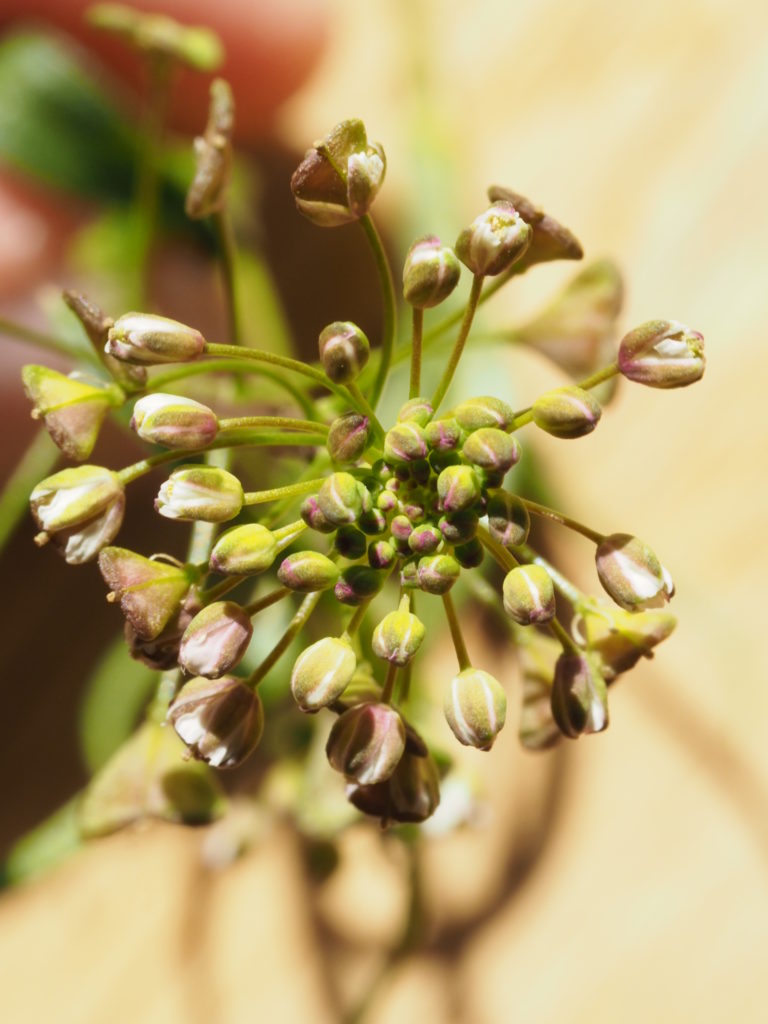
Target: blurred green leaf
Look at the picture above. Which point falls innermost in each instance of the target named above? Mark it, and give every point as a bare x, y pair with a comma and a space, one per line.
44, 847
36, 462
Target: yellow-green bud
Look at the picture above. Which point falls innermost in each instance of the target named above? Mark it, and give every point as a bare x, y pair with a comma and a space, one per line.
357, 584
204, 493
443, 435
322, 672
494, 240
579, 696
366, 743
529, 595
662, 354
344, 351
339, 499
313, 517
458, 488
405, 443
475, 707
618, 639
485, 411
244, 550
508, 519
307, 571
146, 338
174, 421
416, 410
491, 449
398, 637
425, 539
411, 794
381, 554
631, 573
430, 273
438, 573
220, 720
348, 438
215, 640
566, 412
150, 592
79, 510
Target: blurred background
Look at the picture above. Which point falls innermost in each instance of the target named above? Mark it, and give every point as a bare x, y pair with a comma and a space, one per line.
624, 878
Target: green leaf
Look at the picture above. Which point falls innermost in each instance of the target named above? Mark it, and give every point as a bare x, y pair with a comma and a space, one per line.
44, 847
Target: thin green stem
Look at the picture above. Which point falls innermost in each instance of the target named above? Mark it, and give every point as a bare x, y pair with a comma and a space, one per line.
562, 585
504, 558
599, 377
225, 232
363, 406
36, 462
458, 348
416, 344
458, 640
558, 517
560, 633
262, 356
295, 626
221, 588
389, 683
240, 422
389, 325
260, 603
356, 621
274, 493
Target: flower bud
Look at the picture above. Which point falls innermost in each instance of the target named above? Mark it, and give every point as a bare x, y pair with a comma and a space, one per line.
322, 672
424, 540
398, 636
373, 522
430, 273
381, 554
529, 595
366, 743
566, 412
339, 499
215, 640
220, 720
404, 443
416, 410
475, 707
205, 493
550, 240
486, 411
339, 177
207, 193
491, 449
469, 555
579, 696
307, 571
386, 501
631, 573
79, 510
146, 338
458, 488
443, 435
662, 354
174, 421
96, 325
411, 794
344, 351
161, 653
357, 584
150, 592
508, 519
494, 240
244, 550
438, 573
459, 527
348, 438
313, 517
350, 542
72, 408
618, 639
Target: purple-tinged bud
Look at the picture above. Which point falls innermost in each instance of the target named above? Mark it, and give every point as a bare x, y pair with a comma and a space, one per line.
662, 354
475, 707
411, 794
350, 542
373, 522
322, 672
566, 412
485, 411
79, 510
207, 193
244, 550
443, 435
469, 555
357, 584
348, 438
550, 241
174, 421
438, 573
381, 554
494, 240
508, 519
529, 595
307, 571
313, 517
405, 443
401, 528
146, 338
344, 351
72, 408
96, 325
491, 449
200, 493
416, 410
339, 499
386, 502
631, 573
150, 592
579, 696
215, 640
162, 652
366, 743
430, 273
618, 639
458, 488
398, 636
220, 720
459, 527
409, 574
425, 540
339, 177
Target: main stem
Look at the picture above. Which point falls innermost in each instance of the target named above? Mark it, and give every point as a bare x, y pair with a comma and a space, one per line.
418, 329
389, 325
458, 348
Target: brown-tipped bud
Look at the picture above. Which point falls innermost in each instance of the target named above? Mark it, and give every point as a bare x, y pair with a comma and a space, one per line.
508, 519
485, 411
618, 639
339, 499
459, 527
350, 542
405, 443
348, 438
579, 696
215, 640
207, 194
322, 672
79, 510
357, 584
244, 550
398, 636
146, 338
550, 241
150, 592
430, 273
411, 794
381, 554
662, 354
366, 743
416, 410
444, 435
631, 573
200, 493
458, 488
174, 421
529, 595
339, 177
475, 707
491, 449
494, 240
344, 351
307, 571
438, 573
313, 517
566, 412
96, 325
220, 720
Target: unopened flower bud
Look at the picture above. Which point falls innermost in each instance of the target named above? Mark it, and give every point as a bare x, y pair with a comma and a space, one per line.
459, 527
215, 640
72, 408
485, 411
508, 519
357, 584
313, 517
491, 449
405, 443
550, 241
244, 550
443, 435
411, 794
373, 522
207, 194
618, 639
424, 540
366, 743
401, 529
350, 542
458, 488
662, 354
161, 653
79, 510
494, 240
566, 412
344, 351
322, 672
381, 554
339, 499
96, 325
579, 696
200, 493
529, 595
386, 501
469, 555
398, 636
147, 338
416, 410
631, 573
430, 273
339, 177
307, 571
348, 438
150, 592
475, 707
409, 574
438, 573
174, 421
220, 720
